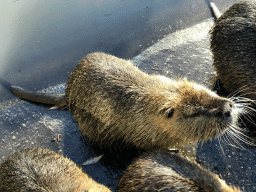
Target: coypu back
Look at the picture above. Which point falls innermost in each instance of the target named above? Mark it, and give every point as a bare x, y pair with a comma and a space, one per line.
44, 170
116, 104
233, 44
165, 171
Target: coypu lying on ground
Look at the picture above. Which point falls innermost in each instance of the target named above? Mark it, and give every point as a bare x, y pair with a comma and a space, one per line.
165, 171
44, 170
112, 100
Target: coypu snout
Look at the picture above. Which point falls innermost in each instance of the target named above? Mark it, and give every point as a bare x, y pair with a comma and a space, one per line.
225, 112
202, 114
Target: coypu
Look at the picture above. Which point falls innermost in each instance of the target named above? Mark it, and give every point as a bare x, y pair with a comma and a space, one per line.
233, 43
44, 170
112, 100
163, 170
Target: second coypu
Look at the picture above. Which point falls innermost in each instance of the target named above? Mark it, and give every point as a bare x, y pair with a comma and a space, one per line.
165, 171
112, 100
233, 44
44, 170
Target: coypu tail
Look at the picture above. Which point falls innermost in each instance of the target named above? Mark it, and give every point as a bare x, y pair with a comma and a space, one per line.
215, 11
57, 99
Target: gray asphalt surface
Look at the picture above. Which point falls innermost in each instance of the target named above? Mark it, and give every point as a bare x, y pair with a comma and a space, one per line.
169, 38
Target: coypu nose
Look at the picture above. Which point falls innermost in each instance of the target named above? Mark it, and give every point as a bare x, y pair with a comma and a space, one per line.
227, 110
227, 114
219, 114
223, 113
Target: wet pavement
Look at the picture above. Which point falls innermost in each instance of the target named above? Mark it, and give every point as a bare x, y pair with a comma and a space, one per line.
169, 38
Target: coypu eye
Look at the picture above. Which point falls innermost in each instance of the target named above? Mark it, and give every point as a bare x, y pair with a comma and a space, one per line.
169, 113
194, 114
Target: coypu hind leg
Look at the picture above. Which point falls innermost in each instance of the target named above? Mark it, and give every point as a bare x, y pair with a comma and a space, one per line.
44, 170
165, 171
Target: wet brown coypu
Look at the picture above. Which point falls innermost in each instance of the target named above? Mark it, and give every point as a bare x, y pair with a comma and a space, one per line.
233, 44
164, 171
44, 170
112, 100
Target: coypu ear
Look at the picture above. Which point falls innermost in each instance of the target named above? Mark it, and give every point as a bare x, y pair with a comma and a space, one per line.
169, 112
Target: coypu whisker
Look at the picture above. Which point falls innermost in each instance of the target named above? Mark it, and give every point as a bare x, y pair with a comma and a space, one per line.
249, 109
244, 100
226, 138
221, 147
230, 135
220, 139
234, 142
243, 94
238, 133
235, 93
245, 109
240, 118
248, 117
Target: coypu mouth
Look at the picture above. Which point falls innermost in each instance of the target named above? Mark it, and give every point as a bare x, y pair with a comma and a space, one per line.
220, 121
234, 133
239, 131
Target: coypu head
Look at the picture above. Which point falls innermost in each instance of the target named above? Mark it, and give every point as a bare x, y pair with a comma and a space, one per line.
196, 114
